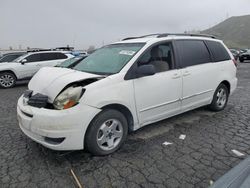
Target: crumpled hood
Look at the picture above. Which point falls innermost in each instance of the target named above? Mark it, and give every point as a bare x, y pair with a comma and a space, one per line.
51, 80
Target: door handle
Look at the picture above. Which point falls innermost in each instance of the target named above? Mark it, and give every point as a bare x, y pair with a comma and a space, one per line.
176, 75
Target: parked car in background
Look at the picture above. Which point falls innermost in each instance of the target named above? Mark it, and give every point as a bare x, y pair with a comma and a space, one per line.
70, 63
237, 177
243, 50
236, 53
26, 66
125, 86
8, 57
245, 56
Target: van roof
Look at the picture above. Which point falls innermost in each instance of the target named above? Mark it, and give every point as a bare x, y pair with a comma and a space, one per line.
166, 36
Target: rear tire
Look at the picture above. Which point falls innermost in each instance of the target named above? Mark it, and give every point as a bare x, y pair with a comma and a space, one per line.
241, 60
106, 133
7, 80
220, 98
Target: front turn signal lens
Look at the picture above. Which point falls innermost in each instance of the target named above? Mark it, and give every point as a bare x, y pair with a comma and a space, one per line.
69, 104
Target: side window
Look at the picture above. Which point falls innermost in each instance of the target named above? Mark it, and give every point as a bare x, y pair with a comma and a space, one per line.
33, 58
218, 51
48, 56
61, 56
192, 52
160, 56
52, 56
8, 58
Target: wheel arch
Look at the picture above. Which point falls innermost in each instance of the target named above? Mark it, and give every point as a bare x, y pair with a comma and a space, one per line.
125, 111
227, 84
9, 71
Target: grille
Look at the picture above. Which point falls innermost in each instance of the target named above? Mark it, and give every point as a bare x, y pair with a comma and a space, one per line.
38, 100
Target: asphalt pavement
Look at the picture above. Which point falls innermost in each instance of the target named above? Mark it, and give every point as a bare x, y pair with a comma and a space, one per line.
211, 145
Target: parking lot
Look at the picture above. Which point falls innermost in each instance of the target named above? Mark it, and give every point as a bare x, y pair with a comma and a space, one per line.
202, 157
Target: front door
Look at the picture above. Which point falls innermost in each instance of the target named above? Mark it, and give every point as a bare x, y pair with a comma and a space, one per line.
30, 66
158, 96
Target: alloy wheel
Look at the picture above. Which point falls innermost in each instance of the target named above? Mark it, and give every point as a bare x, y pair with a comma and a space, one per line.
221, 98
109, 134
6, 80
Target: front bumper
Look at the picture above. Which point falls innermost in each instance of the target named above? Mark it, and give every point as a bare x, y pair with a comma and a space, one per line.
66, 126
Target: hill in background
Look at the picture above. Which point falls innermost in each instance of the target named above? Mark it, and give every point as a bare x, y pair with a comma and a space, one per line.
235, 31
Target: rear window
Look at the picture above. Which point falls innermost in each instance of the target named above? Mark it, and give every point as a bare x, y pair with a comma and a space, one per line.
192, 52
218, 51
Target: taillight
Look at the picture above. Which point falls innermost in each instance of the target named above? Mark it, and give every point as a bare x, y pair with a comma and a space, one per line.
235, 62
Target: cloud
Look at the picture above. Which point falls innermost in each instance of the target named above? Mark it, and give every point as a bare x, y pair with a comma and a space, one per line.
46, 23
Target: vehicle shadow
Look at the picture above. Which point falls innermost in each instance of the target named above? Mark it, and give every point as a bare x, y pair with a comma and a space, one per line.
248, 61
22, 83
139, 137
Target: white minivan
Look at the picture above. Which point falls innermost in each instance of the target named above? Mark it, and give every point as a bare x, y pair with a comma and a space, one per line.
123, 87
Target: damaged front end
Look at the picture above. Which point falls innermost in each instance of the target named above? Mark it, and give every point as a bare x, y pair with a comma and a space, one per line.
71, 94
60, 93
67, 98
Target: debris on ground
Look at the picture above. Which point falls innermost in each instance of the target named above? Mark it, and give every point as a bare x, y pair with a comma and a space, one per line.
182, 136
239, 154
167, 143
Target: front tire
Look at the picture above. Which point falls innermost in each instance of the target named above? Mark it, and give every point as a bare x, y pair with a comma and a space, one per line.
106, 133
220, 98
7, 80
241, 60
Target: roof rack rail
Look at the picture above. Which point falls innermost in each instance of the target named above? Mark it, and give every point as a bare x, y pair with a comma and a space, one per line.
174, 34
186, 34
129, 38
37, 50
69, 48
51, 49
144, 36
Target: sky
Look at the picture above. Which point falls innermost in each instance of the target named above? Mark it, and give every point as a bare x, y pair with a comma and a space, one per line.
81, 23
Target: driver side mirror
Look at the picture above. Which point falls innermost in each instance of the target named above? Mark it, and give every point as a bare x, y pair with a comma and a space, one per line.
23, 61
145, 70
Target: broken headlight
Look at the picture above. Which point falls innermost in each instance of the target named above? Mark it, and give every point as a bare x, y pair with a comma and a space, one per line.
68, 98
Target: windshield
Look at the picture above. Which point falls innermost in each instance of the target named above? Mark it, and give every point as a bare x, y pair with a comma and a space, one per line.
109, 59
69, 62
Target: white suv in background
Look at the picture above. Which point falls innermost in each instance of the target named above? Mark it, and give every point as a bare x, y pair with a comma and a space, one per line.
123, 87
27, 65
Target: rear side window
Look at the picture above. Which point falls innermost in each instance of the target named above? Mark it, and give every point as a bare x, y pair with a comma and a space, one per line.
61, 56
192, 52
48, 56
218, 51
52, 56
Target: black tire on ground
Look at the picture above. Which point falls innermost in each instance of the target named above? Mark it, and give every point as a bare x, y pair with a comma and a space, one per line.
7, 76
94, 129
241, 60
215, 105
